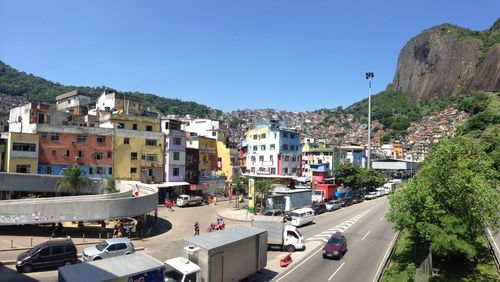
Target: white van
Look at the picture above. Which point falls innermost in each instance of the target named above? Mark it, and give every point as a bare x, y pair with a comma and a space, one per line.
302, 216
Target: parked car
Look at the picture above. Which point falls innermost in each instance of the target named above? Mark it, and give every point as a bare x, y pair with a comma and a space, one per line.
333, 205
318, 208
336, 246
274, 213
53, 253
346, 201
371, 195
108, 248
358, 198
302, 216
382, 191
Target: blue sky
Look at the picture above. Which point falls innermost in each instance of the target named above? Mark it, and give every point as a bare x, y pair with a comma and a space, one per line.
287, 55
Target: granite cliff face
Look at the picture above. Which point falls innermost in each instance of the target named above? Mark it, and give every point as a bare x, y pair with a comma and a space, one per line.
447, 60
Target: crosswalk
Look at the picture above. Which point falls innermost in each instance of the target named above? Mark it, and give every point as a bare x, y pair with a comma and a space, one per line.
325, 235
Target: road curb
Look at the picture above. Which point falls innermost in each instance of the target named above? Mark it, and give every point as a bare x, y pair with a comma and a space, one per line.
388, 257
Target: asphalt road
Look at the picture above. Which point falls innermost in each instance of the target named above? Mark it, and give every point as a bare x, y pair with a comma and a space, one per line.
368, 235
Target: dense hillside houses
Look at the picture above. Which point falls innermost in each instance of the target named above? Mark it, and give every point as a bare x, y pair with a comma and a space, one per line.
117, 136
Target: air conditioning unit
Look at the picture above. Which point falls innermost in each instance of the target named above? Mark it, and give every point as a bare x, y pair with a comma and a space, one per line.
77, 158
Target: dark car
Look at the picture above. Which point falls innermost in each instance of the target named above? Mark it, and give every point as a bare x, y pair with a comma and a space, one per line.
358, 198
336, 247
318, 208
274, 213
346, 201
50, 254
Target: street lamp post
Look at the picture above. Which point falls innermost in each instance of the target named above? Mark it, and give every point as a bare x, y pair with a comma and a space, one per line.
369, 76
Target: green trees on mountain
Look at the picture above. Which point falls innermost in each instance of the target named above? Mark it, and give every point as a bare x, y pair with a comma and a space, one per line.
37, 89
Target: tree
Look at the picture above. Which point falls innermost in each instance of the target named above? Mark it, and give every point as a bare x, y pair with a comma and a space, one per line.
240, 182
450, 200
110, 186
348, 174
370, 179
72, 180
263, 187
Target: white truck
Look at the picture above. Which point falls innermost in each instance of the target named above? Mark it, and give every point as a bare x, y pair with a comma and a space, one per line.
287, 237
188, 200
389, 187
295, 198
228, 255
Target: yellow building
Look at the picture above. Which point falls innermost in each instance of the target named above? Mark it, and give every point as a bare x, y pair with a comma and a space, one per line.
208, 155
138, 123
228, 161
138, 155
22, 153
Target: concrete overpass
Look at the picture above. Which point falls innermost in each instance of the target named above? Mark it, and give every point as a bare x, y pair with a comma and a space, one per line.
81, 208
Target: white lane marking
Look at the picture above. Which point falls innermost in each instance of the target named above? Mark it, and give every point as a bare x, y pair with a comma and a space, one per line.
365, 236
336, 271
381, 218
383, 258
320, 249
493, 239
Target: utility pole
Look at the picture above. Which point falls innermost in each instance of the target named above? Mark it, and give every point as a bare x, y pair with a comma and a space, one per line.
369, 76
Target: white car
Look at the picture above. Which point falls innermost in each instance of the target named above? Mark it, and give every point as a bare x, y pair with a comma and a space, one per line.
372, 195
333, 205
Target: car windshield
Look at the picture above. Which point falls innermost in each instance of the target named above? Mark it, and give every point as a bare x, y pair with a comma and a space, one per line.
172, 274
101, 246
335, 241
330, 203
34, 250
294, 214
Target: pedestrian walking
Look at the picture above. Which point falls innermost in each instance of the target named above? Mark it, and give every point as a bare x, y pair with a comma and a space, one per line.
215, 199
196, 229
136, 190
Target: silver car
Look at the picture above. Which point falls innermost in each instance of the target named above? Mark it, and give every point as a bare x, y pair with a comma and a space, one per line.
108, 248
333, 205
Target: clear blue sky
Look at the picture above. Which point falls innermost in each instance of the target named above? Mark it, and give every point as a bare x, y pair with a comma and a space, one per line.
287, 55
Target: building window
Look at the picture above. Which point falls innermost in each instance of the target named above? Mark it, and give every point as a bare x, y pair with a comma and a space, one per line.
134, 126
24, 147
150, 142
273, 171
66, 153
110, 154
255, 137
54, 152
214, 133
285, 170
272, 147
151, 157
48, 170
294, 158
255, 148
175, 171
262, 147
292, 136
80, 154
149, 128
126, 141
133, 156
91, 170
44, 136
97, 156
271, 158
285, 134
121, 125
263, 136
110, 170
177, 141
99, 170
261, 158
287, 158
54, 136
189, 159
133, 170
285, 147
101, 139
81, 138
177, 156
23, 168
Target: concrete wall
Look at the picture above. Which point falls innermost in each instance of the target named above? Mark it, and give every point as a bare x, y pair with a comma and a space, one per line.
79, 208
22, 182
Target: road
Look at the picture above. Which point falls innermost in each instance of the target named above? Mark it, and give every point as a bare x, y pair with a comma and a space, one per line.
368, 235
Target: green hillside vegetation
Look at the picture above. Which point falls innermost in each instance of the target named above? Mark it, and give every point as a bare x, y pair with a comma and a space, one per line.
37, 89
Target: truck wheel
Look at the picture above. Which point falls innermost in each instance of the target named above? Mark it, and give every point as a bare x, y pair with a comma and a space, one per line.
290, 248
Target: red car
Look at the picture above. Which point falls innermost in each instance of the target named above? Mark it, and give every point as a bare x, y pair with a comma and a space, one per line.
336, 247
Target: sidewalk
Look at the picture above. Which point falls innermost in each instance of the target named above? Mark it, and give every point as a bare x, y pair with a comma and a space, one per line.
232, 213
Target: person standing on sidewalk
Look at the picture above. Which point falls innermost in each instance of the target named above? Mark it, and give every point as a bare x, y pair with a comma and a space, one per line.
196, 229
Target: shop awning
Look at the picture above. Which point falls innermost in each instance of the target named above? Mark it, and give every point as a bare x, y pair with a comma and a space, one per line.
171, 184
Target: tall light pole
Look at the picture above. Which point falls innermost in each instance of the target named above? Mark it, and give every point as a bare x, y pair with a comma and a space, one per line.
369, 76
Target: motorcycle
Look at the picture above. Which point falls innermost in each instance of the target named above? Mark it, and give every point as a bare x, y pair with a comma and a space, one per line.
213, 227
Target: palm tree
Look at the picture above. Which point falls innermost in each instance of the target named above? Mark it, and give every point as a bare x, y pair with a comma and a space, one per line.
240, 181
72, 180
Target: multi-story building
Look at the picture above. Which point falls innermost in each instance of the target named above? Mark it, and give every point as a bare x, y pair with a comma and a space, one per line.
273, 149
243, 155
22, 153
175, 150
228, 161
74, 102
316, 154
192, 163
206, 128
